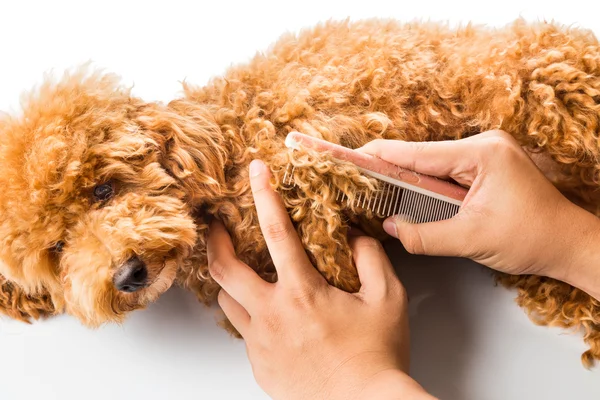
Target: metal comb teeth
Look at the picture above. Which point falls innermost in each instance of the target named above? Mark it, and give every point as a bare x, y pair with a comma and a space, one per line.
288, 177
390, 200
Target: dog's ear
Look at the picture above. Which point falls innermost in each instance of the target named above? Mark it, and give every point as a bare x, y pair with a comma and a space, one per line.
191, 146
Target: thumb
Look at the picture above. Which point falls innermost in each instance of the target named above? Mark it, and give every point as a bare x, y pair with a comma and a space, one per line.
439, 238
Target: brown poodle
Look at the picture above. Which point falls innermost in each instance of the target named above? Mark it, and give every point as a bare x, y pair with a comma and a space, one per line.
105, 198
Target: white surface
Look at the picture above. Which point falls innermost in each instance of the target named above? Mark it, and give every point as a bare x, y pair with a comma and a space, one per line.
470, 341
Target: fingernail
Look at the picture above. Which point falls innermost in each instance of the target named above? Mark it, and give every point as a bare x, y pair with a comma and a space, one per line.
256, 168
390, 227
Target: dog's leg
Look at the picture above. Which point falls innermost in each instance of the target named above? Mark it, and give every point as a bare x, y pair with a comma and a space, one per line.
324, 235
16, 304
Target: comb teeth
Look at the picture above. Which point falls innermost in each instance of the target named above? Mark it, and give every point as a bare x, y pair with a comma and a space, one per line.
391, 200
288, 177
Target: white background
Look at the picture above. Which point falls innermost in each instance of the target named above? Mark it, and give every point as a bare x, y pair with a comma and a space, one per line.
470, 341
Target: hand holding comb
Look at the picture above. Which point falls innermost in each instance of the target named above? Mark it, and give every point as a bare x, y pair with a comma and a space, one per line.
412, 196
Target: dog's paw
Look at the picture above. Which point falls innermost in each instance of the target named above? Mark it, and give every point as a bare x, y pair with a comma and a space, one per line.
16, 304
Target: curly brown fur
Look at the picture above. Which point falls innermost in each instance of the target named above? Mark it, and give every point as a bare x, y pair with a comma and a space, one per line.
16, 304
174, 166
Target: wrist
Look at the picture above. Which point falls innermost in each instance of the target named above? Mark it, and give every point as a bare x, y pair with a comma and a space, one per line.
356, 373
393, 384
580, 265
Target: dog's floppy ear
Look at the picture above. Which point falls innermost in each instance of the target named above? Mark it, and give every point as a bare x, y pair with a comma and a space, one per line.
191, 146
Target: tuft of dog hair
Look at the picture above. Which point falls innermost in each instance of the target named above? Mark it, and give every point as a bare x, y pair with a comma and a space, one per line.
93, 176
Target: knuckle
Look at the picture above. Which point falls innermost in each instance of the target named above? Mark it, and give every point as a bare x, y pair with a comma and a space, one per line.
217, 269
413, 242
418, 148
258, 188
500, 144
494, 133
399, 293
221, 297
375, 147
277, 231
304, 297
394, 295
420, 151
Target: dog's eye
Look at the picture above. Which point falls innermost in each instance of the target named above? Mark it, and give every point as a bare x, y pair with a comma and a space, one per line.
103, 192
58, 247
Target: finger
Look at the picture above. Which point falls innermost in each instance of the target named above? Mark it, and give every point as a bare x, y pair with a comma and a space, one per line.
237, 315
375, 270
442, 159
441, 238
285, 247
239, 280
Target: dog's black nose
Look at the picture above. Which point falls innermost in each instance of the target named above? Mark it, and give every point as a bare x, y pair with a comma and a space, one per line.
132, 276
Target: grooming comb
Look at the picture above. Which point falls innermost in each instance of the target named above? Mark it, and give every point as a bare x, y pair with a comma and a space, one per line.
414, 197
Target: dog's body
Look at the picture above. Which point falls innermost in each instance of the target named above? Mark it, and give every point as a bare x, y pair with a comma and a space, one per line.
105, 198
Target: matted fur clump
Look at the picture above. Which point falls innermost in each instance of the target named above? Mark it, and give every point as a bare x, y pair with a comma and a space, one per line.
105, 198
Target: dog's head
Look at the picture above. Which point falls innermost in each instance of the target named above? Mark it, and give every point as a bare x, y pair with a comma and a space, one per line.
98, 192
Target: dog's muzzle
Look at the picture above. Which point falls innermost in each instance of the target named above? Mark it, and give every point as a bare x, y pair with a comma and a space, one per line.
131, 276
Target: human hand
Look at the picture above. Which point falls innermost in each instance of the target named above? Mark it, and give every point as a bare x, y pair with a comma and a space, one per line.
509, 218
306, 339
